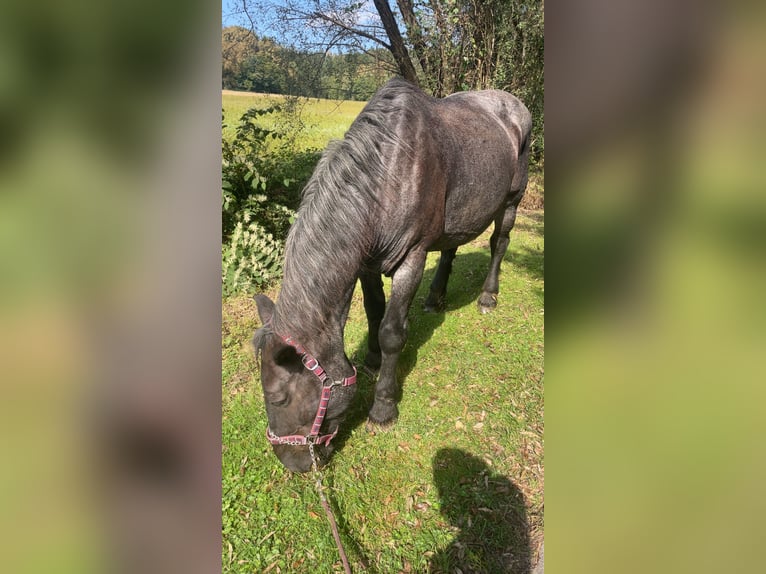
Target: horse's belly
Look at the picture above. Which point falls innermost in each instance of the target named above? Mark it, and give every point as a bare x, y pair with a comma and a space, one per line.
479, 191
456, 239
468, 215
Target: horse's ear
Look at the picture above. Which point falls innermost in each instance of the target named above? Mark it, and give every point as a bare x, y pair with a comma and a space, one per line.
265, 308
259, 339
282, 355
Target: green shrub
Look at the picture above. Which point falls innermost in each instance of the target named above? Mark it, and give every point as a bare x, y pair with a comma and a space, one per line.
262, 176
248, 168
251, 258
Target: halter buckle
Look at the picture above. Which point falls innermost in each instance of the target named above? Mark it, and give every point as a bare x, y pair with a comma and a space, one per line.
311, 363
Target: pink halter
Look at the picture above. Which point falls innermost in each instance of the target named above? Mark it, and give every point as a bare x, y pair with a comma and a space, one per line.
327, 385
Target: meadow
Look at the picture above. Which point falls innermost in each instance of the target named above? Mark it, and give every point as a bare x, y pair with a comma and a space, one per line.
457, 480
323, 119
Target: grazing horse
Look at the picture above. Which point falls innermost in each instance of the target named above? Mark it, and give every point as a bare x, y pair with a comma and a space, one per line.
413, 174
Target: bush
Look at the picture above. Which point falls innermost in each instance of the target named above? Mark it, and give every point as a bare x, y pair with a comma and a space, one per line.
251, 258
262, 176
248, 168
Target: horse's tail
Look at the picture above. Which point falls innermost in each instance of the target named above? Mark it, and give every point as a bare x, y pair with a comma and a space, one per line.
521, 173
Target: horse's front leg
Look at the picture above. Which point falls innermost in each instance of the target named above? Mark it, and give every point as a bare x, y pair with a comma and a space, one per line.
393, 335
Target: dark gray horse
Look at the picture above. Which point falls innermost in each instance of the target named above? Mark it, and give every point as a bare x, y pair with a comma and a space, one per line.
413, 174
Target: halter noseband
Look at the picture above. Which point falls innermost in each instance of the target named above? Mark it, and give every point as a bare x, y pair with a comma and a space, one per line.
327, 385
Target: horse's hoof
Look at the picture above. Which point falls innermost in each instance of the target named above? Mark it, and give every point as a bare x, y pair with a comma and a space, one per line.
383, 414
487, 303
434, 304
374, 427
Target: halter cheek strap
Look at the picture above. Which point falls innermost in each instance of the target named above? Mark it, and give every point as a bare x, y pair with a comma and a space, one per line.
312, 364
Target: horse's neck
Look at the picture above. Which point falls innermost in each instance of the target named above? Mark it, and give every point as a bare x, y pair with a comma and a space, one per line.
323, 339
313, 305
323, 255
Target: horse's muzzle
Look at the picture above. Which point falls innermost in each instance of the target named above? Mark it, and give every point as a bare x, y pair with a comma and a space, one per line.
297, 458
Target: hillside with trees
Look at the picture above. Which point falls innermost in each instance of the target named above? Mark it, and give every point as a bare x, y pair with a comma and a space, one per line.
259, 64
347, 48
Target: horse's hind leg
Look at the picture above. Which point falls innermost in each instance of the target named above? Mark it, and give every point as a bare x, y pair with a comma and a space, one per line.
499, 245
374, 307
504, 221
437, 295
393, 335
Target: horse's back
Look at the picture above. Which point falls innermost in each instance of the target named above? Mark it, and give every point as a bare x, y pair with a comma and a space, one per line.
450, 164
483, 135
509, 111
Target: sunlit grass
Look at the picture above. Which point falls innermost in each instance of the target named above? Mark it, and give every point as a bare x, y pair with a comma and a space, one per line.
472, 382
324, 119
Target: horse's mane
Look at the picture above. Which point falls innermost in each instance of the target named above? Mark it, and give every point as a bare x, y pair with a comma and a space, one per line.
352, 169
334, 232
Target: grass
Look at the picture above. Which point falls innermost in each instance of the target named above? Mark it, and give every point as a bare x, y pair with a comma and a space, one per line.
457, 480
473, 385
324, 119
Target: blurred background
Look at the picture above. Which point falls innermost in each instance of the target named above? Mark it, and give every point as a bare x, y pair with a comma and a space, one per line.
109, 286
110, 266
656, 281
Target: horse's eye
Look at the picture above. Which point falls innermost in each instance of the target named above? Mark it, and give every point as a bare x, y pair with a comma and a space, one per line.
280, 402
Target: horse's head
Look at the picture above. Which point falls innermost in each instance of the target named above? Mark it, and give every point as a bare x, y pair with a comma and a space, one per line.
292, 394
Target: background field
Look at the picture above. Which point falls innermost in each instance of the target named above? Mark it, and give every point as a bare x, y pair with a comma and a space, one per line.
458, 479
324, 119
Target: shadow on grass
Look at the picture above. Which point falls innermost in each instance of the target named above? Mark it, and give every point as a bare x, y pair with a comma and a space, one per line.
469, 271
526, 259
456, 473
488, 509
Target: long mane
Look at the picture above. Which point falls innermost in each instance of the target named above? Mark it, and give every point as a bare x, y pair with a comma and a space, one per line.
334, 232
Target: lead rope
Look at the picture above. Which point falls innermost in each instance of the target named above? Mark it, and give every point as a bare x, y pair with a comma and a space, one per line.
327, 509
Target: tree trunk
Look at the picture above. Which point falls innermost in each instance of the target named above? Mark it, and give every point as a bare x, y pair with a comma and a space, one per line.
398, 49
415, 35
441, 38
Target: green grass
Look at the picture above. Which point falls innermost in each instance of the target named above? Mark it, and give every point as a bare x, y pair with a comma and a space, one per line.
473, 384
324, 119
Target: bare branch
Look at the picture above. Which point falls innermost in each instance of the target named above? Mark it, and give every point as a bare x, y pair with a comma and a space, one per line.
355, 31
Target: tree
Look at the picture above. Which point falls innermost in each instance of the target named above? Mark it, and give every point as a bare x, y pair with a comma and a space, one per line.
397, 46
237, 45
443, 45
521, 59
